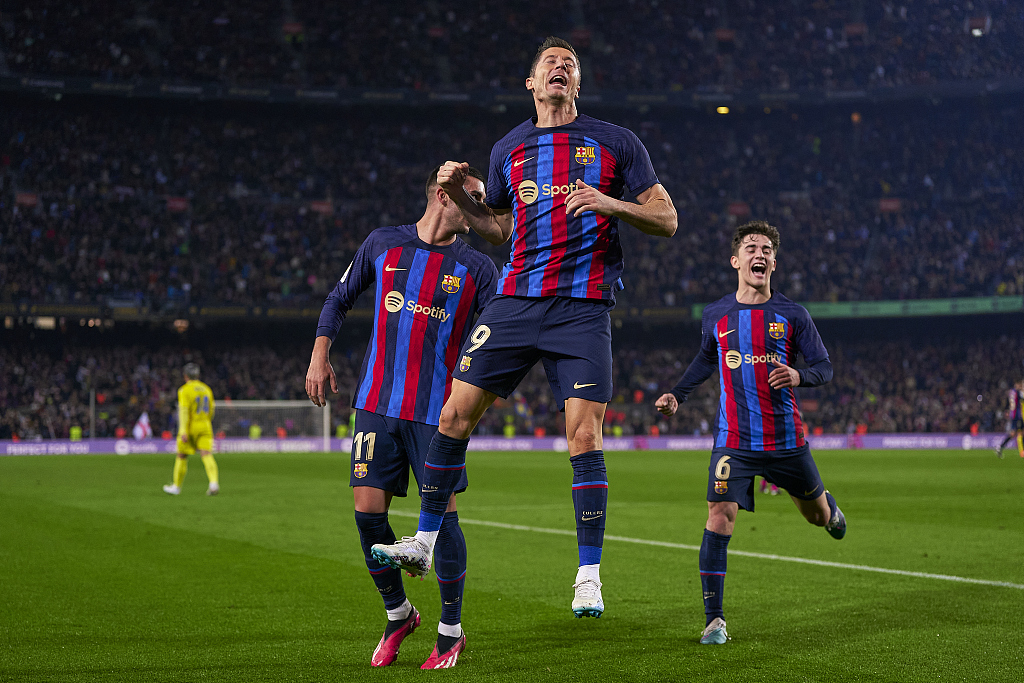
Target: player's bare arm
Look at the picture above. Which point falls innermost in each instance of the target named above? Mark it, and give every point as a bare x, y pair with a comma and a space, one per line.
667, 404
783, 376
320, 373
655, 214
493, 226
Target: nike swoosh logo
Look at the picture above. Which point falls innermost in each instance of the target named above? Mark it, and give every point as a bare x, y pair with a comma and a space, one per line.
807, 493
517, 164
587, 519
389, 269
722, 334
582, 386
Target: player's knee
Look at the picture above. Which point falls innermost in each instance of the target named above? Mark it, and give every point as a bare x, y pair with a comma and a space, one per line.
584, 441
454, 424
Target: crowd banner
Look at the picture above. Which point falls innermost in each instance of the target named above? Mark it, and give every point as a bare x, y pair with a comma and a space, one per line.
299, 444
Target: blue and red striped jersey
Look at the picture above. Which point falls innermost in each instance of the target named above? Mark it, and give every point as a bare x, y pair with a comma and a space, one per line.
741, 341
531, 171
425, 299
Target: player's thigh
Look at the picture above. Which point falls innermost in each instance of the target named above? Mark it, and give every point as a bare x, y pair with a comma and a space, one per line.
378, 460
576, 343
796, 472
502, 347
188, 447
415, 438
203, 441
731, 476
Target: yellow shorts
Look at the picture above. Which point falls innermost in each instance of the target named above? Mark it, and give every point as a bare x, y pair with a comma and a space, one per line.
197, 441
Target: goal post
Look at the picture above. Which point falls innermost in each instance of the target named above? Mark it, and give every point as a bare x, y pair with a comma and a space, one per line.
272, 419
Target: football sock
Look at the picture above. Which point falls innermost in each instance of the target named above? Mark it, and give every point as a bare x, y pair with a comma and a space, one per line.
452, 631
442, 469
590, 498
1020, 445
450, 567
374, 528
588, 571
713, 554
180, 470
400, 613
1006, 440
211, 469
832, 507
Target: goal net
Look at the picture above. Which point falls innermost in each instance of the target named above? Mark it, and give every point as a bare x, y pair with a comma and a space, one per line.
272, 419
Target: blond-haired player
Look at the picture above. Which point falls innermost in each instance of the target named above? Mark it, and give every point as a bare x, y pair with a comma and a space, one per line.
195, 431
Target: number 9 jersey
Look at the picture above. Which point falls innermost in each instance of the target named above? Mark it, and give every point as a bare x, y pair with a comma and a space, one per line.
195, 416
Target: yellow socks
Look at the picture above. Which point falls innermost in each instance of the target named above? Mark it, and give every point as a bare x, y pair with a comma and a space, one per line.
180, 470
211, 469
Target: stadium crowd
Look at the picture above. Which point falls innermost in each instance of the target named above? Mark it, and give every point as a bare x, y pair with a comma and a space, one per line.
890, 386
161, 209
633, 45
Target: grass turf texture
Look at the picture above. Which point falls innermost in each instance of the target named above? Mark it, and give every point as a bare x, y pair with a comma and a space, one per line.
105, 578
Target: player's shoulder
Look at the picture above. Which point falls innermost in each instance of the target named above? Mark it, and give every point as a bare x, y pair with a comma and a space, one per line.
388, 237
474, 259
608, 134
717, 309
788, 308
515, 137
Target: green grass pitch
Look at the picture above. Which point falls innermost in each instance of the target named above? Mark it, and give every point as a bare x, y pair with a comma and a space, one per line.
105, 578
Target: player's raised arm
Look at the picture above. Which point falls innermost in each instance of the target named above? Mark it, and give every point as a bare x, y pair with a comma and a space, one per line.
495, 226
654, 215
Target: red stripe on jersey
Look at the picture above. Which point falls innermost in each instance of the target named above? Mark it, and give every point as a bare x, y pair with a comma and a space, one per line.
797, 422
387, 283
732, 421
598, 257
420, 324
558, 218
518, 259
455, 340
761, 371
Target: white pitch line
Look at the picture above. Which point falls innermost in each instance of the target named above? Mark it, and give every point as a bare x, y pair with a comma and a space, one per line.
743, 553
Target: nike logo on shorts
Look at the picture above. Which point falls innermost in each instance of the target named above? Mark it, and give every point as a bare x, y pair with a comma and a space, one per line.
583, 386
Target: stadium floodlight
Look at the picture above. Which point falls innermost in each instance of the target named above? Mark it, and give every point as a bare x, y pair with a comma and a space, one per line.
274, 419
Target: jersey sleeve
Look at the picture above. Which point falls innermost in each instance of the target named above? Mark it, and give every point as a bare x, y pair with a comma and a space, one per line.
499, 195
637, 169
183, 408
357, 278
810, 346
703, 364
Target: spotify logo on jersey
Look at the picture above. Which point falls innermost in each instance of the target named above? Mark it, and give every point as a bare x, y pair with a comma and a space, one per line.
528, 191
733, 359
394, 301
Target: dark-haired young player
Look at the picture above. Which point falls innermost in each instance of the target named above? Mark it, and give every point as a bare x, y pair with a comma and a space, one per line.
555, 186
428, 285
752, 338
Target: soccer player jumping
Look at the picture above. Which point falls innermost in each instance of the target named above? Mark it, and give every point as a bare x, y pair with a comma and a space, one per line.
428, 286
555, 186
752, 338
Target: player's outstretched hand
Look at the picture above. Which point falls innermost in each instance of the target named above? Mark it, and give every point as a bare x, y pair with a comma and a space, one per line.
452, 175
587, 198
667, 404
783, 376
319, 373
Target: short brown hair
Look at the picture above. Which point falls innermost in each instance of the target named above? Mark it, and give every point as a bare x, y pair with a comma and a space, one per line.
192, 370
755, 228
432, 178
550, 42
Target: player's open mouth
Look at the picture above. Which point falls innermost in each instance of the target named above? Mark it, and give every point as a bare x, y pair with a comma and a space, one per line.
759, 268
559, 79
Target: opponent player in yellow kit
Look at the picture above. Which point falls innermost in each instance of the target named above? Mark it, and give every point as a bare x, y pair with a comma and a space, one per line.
195, 431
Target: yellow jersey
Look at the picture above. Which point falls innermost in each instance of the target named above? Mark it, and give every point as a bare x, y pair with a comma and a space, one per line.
195, 408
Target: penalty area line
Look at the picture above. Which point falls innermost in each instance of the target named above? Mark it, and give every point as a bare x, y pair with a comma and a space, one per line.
742, 553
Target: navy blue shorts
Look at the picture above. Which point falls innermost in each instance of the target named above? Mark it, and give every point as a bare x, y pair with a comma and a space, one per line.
731, 474
384, 448
573, 338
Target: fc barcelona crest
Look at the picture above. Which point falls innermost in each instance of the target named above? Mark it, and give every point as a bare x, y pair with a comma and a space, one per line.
464, 365
450, 283
776, 330
721, 487
585, 155
360, 470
